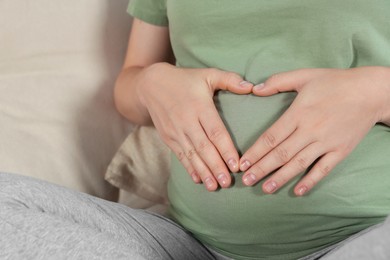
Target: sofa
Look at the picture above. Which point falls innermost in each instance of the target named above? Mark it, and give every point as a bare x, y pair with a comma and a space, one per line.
58, 65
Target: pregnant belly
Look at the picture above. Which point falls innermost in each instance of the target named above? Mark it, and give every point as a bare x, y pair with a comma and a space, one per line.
243, 223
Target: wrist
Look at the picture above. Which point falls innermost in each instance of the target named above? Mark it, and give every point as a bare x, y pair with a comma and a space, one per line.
146, 82
153, 73
149, 79
131, 89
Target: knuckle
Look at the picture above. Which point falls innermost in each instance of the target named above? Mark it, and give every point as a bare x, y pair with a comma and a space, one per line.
225, 154
180, 156
282, 154
210, 74
231, 77
269, 140
215, 133
202, 145
259, 171
273, 78
213, 71
190, 154
167, 138
323, 169
302, 163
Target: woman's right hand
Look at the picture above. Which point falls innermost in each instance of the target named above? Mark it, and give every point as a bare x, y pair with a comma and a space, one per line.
180, 103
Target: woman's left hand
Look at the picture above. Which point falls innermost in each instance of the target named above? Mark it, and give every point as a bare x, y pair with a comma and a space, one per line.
333, 111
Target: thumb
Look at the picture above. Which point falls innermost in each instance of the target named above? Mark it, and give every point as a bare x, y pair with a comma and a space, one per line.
230, 81
287, 81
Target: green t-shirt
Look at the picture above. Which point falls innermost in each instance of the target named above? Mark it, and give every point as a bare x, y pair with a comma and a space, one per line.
257, 39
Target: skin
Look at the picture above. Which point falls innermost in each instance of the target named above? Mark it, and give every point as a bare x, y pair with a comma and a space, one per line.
179, 102
294, 141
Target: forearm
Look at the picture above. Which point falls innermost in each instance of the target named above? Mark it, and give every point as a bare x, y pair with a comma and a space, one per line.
126, 97
149, 45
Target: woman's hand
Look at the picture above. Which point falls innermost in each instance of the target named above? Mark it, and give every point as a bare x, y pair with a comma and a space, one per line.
180, 103
333, 111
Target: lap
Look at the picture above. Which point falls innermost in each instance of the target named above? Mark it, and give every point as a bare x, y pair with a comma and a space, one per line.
371, 243
39, 220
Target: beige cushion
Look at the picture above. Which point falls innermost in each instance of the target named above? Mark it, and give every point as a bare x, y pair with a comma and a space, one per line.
58, 64
140, 169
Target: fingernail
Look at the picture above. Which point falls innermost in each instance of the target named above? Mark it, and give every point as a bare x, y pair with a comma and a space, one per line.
222, 179
259, 87
195, 177
245, 165
249, 179
233, 165
302, 190
270, 186
245, 84
209, 183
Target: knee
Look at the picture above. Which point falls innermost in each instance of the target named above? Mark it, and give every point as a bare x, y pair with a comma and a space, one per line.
13, 191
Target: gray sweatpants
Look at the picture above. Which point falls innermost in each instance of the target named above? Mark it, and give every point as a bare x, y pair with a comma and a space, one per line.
39, 220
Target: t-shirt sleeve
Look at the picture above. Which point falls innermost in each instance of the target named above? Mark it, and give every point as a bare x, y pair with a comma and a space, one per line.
149, 11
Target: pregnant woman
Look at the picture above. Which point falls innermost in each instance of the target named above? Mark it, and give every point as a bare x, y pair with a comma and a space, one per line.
315, 102
277, 114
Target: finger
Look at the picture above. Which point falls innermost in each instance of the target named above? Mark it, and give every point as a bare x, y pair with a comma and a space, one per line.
197, 163
276, 158
171, 140
185, 162
220, 138
207, 152
320, 169
287, 81
270, 139
230, 81
300, 163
